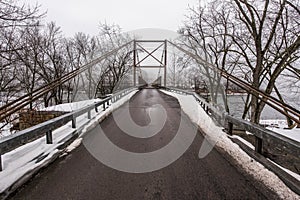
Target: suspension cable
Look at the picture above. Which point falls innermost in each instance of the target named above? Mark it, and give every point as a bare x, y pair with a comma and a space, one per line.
26, 99
249, 88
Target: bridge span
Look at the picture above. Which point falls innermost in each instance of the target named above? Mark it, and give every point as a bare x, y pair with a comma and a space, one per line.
79, 175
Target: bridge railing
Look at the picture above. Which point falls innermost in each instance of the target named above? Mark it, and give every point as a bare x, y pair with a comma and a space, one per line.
212, 111
261, 135
23, 137
228, 121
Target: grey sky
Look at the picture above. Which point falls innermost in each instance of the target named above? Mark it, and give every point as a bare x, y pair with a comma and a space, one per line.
84, 15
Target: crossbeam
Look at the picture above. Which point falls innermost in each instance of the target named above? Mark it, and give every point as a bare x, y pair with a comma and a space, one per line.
161, 61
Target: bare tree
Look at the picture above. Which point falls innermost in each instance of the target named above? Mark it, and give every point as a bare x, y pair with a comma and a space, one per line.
205, 33
29, 59
14, 16
259, 40
116, 67
270, 44
87, 48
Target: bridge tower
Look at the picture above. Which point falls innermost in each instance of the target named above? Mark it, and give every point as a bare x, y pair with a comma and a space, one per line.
159, 63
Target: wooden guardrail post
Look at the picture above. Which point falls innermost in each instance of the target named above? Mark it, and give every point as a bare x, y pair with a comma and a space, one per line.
49, 137
258, 145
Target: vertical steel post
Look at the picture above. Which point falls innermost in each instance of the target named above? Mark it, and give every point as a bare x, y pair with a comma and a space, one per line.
134, 63
1, 163
49, 137
89, 114
74, 122
258, 145
165, 63
230, 128
104, 107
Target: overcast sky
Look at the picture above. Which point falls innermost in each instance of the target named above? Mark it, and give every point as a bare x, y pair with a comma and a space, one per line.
84, 15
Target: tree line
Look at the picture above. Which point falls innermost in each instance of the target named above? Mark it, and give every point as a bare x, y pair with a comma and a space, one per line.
256, 40
34, 53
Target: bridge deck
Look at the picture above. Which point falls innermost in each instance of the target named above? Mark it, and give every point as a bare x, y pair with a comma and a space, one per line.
80, 176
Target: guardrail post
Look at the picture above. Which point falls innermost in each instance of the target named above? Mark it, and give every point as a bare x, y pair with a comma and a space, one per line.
258, 145
89, 114
230, 128
104, 108
49, 137
74, 122
1, 163
205, 108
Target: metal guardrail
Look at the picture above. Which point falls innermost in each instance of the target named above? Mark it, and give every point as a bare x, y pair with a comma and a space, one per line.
261, 134
228, 121
207, 107
276, 104
23, 137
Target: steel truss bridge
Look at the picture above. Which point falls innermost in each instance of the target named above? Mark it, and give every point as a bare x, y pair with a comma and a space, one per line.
221, 118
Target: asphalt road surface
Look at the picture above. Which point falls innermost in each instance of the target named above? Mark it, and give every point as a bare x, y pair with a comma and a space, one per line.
79, 175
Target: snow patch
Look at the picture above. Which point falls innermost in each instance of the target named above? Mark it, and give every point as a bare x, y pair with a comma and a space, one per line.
34, 155
280, 126
243, 141
73, 145
69, 107
297, 176
293, 134
243, 160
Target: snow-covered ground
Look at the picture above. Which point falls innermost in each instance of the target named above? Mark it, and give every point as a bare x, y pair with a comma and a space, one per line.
5, 131
279, 126
69, 107
216, 136
25, 160
22, 162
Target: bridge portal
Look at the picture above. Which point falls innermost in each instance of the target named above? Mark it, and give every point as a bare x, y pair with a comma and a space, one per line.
151, 58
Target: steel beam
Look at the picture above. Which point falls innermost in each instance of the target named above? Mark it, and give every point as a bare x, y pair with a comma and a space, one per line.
165, 72
134, 63
150, 54
150, 66
150, 41
162, 62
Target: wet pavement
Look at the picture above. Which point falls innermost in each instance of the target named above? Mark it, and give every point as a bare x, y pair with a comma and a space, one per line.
79, 175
